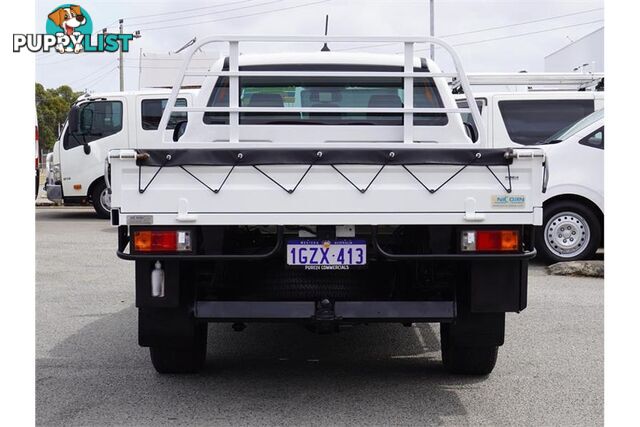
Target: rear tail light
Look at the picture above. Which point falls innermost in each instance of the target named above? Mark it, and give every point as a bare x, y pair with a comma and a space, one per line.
490, 240
162, 241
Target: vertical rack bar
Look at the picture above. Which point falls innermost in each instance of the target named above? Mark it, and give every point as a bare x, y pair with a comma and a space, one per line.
234, 92
466, 87
408, 93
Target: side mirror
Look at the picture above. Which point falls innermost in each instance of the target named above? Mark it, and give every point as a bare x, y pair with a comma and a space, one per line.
86, 148
179, 130
74, 119
471, 131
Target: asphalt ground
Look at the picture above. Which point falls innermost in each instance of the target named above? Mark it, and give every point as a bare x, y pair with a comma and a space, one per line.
90, 370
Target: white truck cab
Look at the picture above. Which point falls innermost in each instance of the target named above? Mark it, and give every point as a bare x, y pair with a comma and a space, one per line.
576, 184
97, 123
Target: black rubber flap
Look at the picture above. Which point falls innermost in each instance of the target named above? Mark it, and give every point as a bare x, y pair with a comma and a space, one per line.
330, 156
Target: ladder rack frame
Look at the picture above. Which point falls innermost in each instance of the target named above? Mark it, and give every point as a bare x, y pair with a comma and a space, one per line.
234, 73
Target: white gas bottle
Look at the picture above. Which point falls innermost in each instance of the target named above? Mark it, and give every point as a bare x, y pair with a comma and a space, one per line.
157, 281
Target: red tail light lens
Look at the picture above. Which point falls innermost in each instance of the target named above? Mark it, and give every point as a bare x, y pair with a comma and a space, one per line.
162, 241
490, 240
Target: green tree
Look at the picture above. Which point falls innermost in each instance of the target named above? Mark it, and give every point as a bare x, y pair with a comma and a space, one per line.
52, 106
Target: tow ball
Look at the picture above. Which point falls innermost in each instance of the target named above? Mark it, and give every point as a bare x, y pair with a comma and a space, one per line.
325, 318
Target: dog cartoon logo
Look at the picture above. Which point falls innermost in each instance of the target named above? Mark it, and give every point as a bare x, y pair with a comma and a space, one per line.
69, 29
72, 21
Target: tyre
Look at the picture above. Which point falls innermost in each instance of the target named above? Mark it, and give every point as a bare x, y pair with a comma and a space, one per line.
570, 232
466, 360
101, 200
181, 360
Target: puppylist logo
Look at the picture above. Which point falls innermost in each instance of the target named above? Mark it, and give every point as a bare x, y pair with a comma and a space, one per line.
69, 30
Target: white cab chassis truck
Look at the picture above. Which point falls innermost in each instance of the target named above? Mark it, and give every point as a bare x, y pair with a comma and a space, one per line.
574, 199
326, 189
97, 123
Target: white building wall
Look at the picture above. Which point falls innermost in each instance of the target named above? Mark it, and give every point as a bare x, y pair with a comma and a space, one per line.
586, 50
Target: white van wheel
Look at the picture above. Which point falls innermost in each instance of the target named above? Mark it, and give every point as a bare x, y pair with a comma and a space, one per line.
101, 200
105, 199
570, 232
567, 234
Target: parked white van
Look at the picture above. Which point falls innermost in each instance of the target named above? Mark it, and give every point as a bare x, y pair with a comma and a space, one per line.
576, 184
573, 209
97, 123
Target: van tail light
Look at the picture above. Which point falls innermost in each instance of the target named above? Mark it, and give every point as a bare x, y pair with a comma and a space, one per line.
490, 240
162, 241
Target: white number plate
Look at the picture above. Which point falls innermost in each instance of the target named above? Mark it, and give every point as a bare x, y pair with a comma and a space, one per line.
318, 254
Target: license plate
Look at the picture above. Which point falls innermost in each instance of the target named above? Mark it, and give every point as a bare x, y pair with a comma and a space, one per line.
325, 254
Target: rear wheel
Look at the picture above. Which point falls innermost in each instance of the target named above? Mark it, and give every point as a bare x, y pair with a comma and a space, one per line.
187, 359
570, 232
101, 200
466, 359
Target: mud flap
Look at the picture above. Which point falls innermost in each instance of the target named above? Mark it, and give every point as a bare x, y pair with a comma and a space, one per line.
472, 330
498, 286
166, 327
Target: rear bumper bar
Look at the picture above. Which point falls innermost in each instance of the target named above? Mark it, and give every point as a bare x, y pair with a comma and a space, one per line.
384, 311
123, 242
527, 254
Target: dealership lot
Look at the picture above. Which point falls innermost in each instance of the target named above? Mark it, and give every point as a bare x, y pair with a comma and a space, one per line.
90, 370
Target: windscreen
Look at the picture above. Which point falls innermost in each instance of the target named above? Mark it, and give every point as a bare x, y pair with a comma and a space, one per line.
574, 128
326, 92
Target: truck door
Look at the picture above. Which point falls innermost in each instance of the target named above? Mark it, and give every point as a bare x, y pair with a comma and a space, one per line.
98, 126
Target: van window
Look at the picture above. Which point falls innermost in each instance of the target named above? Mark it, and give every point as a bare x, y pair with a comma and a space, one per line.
152, 110
594, 139
531, 121
327, 92
96, 120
